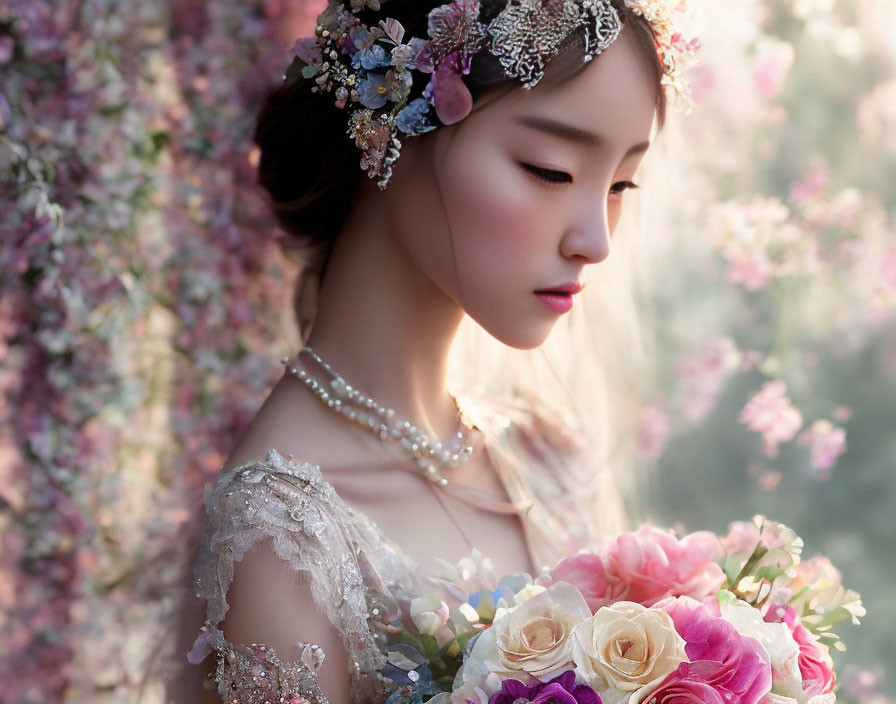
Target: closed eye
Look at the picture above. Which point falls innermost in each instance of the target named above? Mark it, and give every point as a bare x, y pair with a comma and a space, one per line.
548, 175
623, 186
554, 177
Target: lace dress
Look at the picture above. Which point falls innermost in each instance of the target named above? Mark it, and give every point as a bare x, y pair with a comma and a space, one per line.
359, 577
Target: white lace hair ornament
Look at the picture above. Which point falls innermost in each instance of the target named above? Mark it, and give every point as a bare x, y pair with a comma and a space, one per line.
370, 69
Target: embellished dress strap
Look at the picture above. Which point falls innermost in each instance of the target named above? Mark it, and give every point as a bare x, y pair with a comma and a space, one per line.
312, 530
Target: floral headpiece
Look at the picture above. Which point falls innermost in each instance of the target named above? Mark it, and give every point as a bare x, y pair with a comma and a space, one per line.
370, 69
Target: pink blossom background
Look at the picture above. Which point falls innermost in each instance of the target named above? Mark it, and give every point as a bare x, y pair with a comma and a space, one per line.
144, 304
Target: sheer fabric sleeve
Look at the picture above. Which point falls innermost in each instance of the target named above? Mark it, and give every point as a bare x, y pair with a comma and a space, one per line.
290, 505
577, 504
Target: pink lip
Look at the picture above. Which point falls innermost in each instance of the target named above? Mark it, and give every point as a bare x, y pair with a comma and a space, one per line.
571, 287
557, 302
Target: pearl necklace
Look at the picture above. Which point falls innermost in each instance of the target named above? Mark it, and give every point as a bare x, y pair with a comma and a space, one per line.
429, 454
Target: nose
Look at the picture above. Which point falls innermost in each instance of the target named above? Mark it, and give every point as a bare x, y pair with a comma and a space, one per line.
589, 240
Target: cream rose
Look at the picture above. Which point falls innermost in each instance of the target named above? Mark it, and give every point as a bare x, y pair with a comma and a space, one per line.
625, 647
533, 637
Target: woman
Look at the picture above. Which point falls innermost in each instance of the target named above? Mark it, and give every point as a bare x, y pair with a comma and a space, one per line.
513, 163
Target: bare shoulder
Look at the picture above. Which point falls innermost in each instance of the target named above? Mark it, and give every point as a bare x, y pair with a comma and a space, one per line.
292, 421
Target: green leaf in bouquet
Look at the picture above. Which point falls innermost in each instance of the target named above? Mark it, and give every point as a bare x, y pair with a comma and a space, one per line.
453, 649
727, 598
408, 639
769, 573
429, 645
832, 640
464, 638
446, 684
731, 567
822, 622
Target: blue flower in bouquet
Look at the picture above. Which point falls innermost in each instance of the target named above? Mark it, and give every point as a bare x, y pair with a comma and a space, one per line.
476, 596
560, 690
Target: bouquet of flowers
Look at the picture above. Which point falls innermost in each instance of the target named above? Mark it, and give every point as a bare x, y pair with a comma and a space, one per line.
649, 618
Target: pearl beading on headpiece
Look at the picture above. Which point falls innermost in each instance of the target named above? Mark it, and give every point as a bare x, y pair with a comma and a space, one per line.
429, 454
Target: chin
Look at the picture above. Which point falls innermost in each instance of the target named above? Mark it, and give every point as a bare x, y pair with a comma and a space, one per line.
523, 337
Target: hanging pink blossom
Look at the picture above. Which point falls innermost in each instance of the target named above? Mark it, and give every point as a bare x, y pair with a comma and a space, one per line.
770, 413
826, 443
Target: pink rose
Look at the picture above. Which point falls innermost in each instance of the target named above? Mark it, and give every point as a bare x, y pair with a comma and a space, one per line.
815, 663
686, 687
733, 668
651, 564
586, 572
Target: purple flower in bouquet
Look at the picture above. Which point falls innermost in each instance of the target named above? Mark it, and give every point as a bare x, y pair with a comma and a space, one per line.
560, 690
724, 665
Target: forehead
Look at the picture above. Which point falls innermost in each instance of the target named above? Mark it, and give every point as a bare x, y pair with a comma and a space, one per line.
613, 96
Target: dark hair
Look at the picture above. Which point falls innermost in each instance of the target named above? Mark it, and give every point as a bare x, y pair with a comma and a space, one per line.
309, 165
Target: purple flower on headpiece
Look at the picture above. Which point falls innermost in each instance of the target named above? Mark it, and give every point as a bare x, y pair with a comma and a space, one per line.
456, 26
414, 117
368, 54
560, 690
309, 51
450, 97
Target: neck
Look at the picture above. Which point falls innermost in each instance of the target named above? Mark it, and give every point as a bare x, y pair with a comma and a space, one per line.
385, 326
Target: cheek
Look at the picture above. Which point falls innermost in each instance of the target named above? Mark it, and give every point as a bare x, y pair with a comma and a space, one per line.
497, 227
614, 213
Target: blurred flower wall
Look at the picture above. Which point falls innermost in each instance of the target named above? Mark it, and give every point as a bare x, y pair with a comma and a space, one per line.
144, 305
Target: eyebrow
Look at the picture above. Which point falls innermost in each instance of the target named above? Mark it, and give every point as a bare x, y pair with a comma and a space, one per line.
573, 134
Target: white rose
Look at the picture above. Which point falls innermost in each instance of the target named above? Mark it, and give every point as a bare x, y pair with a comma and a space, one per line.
776, 638
777, 641
626, 647
477, 691
527, 593
533, 637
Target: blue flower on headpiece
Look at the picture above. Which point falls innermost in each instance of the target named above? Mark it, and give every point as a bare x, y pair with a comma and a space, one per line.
369, 54
414, 118
375, 89
372, 90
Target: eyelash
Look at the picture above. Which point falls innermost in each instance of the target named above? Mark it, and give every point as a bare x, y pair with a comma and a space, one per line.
545, 175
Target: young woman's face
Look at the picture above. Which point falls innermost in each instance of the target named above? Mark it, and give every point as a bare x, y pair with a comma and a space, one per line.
524, 193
